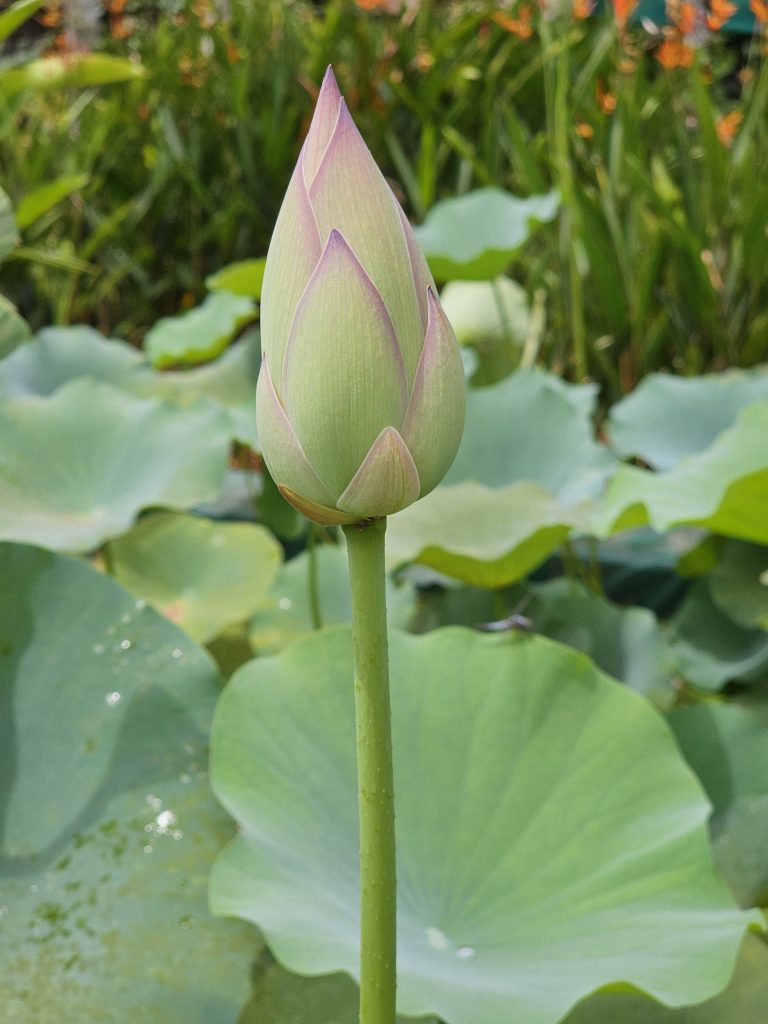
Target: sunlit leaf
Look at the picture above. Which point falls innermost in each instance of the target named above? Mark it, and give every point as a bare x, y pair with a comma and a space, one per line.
547, 828
200, 334
76, 70
243, 278
15, 15
40, 200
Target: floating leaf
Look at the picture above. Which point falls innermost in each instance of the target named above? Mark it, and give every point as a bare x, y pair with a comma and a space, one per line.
243, 278
286, 613
40, 200
547, 828
14, 329
202, 575
709, 649
667, 418
627, 643
739, 583
724, 488
484, 537
109, 825
58, 355
727, 747
475, 236
200, 334
743, 1002
529, 428
77, 467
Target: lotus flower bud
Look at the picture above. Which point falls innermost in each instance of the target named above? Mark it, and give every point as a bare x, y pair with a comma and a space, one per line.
360, 399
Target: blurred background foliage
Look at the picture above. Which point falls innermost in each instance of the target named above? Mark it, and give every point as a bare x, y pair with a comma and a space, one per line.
651, 131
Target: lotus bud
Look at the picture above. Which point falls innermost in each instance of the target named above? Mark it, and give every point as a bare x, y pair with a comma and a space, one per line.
360, 399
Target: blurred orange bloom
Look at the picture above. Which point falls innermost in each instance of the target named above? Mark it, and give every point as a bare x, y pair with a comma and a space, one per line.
390, 6
582, 8
719, 12
674, 52
521, 27
760, 10
605, 98
727, 127
584, 130
622, 10
686, 18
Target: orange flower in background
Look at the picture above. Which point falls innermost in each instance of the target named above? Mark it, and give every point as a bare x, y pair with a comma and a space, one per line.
582, 8
760, 10
584, 130
674, 52
719, 12
622, 10
522, 26
683, 16
727, 126
605, 98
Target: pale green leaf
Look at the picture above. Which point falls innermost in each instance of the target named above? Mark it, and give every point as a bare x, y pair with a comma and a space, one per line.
200, 334
40, 200
243, 278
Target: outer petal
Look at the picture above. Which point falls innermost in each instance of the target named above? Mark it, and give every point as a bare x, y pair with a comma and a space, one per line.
321, 128
386, 481
422, 278
343, 375
435, 419
281, 450
293, 254
321, 514
349, 193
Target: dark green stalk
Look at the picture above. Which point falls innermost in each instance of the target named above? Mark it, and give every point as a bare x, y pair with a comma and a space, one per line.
376, 803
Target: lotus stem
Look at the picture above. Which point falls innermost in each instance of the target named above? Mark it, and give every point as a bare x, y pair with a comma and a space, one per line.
376, 803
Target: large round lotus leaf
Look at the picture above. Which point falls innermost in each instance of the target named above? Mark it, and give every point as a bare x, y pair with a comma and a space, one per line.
475, 236
199, 334
529, 428
487, 313
627, 643
481, 536
202, 575
667, 418
58, 355
743, 1002
109, 825
286, 612
550, 838
727, 746
242, 278
724, 488
709, 649
77, 467
738, 583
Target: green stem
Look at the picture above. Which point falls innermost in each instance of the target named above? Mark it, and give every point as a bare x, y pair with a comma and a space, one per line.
376, 803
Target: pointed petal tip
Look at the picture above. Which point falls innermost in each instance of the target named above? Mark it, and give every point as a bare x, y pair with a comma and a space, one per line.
323, 515
386, 482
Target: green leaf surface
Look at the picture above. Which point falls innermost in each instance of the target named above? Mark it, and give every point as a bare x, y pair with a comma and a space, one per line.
58, 355
109, 825
202, 575
15, 15
76, 70
200, 334
727, 747
627, 643
14, 329
286, 614
9, 236
487, 313
528, 427
40, 200
481, 536
475, 236
243, 278
743, 1002
547, 828
724, 488
738, 583
78, 466
709, 649
667, 418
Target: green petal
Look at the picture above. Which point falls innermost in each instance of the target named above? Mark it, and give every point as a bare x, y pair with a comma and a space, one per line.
293, 254
343, 376
386, 481
321, 514
350, 193
434, 422
282, 452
